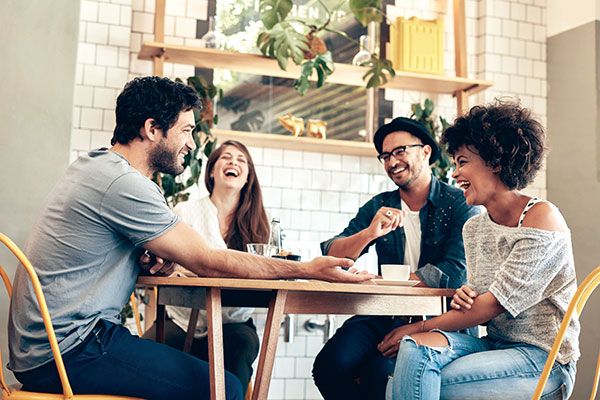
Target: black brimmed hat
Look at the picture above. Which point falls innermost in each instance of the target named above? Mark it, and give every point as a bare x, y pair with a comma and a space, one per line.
411, 126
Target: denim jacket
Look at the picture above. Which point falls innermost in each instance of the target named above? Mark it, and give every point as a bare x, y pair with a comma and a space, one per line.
442, 260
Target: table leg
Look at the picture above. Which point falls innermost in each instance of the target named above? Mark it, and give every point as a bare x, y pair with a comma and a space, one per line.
215, 343
150, 309
160, 323
269, 345
189, 336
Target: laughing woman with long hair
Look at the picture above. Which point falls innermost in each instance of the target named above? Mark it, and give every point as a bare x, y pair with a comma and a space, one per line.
232, 216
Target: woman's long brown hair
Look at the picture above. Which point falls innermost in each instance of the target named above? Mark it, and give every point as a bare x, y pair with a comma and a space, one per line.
250, 223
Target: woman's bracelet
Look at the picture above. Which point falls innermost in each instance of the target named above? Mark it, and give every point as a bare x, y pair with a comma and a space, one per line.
423, 326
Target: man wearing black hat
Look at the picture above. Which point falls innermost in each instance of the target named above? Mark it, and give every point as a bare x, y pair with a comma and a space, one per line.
419, 224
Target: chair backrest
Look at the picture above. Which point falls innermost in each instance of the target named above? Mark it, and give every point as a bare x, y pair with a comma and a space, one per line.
37, 287
8, 285
576, 305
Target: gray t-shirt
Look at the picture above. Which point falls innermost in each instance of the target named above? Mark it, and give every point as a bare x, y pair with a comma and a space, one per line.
531, 273
84, 248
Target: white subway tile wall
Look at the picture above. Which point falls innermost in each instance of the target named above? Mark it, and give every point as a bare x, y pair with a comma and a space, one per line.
314, 194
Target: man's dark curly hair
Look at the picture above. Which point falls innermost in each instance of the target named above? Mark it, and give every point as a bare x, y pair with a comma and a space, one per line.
151, 97
505, 135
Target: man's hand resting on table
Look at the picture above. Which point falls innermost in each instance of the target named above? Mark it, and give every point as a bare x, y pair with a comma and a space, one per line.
331, 269
323, 268
154, 265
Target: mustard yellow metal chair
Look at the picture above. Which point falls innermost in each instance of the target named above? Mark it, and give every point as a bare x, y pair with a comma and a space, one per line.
576, 305
136, 314
14, 394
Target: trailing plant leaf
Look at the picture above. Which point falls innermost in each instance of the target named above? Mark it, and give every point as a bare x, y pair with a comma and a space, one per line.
265, 44
274, 11
283, 42
322, 65
378, 69
303, 84
209, 145
366, 11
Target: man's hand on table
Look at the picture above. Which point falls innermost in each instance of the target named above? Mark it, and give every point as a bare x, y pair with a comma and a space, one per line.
329, 268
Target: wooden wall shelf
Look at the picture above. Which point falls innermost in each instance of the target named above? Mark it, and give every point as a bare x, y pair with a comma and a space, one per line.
301, 143
344, 74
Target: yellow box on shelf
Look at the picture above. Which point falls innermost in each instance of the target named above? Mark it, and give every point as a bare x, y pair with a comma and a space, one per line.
417, 45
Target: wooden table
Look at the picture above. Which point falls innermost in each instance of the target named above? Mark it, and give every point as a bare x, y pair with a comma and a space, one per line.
281, 297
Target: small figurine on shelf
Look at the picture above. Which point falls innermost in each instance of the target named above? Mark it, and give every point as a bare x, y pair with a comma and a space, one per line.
293, 124
317, 128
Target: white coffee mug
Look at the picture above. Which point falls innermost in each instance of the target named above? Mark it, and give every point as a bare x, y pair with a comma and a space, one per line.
395, 272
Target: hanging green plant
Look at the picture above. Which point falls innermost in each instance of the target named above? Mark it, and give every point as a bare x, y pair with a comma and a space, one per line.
174, 187
436, 126
282, 41
376, 75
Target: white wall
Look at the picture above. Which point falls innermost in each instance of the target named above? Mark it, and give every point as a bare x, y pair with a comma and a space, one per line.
38, 41
564, 15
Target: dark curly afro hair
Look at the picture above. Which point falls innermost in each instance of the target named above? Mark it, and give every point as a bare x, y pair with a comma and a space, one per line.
505, 136
151, 97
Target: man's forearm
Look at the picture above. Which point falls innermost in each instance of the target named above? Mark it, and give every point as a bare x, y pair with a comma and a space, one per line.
351, 246
232, 263
184, 246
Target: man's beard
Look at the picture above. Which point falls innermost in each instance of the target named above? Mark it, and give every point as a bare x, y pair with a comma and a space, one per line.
165, 161
413, 176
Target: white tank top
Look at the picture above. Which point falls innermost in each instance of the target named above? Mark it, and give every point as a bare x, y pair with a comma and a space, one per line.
531, 203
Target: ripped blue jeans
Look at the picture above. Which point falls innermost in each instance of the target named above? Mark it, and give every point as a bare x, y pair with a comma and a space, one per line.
475, 368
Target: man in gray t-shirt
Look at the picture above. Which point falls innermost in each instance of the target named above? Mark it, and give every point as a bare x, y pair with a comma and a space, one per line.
98, 220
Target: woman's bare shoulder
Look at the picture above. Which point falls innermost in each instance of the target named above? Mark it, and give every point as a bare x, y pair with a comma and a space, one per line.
545, 215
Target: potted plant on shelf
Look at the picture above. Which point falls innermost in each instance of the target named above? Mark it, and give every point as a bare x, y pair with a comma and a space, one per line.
436, 126
293, 38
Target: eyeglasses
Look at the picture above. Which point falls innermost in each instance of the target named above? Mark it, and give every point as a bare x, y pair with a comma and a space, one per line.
398, 152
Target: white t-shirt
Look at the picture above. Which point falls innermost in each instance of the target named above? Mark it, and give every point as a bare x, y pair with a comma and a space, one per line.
202, 216
412, 232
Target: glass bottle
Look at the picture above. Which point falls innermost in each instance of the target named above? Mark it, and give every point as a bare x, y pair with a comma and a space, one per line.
275, 238
363, 54
210, 38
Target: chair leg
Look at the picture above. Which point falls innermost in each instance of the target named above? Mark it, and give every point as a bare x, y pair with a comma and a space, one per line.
596, 376
136, 314
249, 392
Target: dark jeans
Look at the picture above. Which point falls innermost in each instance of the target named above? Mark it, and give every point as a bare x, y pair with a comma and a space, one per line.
240, 346
112, 361
349, 366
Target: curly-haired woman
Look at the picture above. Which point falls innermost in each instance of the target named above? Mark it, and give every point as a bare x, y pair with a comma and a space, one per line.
521, 276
